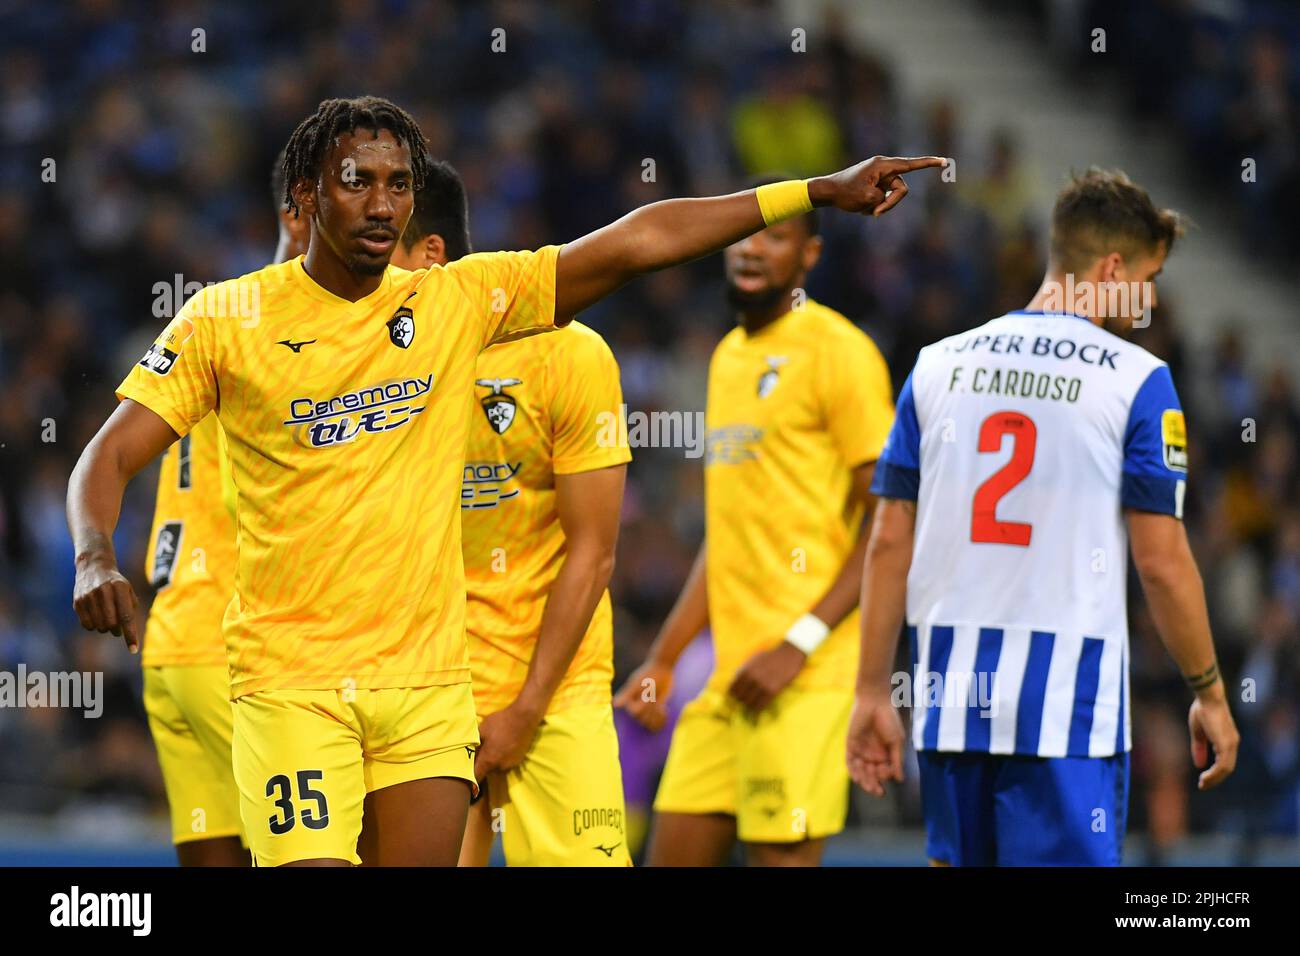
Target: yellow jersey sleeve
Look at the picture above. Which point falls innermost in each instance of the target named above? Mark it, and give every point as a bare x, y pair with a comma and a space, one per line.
176, 378
586, 406
512, 292
856, 398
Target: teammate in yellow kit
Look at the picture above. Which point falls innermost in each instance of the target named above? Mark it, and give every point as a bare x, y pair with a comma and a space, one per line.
345, 389
799, 405
186, 680
540, 500
186, 683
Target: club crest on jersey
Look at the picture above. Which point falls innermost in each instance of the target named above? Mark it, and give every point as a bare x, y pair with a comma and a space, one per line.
768, 380
401, 328
499, 406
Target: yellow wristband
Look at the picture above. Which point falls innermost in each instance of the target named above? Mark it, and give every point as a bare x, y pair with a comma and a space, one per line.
781, 201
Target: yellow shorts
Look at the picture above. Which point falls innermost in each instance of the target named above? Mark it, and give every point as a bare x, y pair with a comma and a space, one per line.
305, 760
781, 773
190, 719
563, 806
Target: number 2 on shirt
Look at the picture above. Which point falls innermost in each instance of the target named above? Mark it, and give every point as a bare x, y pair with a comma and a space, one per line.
985, 528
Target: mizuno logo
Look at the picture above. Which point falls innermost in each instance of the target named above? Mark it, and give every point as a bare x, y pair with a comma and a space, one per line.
608, 851
295, 347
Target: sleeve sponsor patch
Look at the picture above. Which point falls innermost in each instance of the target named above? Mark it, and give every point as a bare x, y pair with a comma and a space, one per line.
1173, 434
162, 355
166, 550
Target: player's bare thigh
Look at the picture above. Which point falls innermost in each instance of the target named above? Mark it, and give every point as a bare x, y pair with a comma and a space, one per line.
320, 862
691, 839
219, 851
476, 850
803, 853
417, 823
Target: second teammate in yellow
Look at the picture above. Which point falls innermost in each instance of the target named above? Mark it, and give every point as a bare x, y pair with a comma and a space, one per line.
540, 500
799, 405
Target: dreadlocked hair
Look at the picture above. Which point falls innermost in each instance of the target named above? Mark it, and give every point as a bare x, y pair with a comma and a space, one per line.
305, 151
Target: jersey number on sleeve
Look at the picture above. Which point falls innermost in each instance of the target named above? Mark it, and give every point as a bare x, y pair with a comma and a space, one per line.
183, 464
985, 528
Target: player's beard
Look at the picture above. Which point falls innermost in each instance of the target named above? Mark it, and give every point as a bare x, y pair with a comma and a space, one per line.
366, 265
754, 301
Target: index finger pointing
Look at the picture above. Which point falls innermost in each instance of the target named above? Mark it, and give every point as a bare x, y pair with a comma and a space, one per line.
906, 164
124, 598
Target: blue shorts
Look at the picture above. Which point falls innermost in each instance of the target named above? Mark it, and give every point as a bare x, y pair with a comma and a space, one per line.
1004, 810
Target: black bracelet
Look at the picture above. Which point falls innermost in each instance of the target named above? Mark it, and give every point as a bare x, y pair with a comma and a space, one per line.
1205, 679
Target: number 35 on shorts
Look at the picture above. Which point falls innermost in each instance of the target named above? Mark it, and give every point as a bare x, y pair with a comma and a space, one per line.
307, 805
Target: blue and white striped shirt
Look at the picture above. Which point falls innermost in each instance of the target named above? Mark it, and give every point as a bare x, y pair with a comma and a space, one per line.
1022, 441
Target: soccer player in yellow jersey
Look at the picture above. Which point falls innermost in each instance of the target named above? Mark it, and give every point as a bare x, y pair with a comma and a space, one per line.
186, 683
186, 680
345, 389
799, 405
540, 500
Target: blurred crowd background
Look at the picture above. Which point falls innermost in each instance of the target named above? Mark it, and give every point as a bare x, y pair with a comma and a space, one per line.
162, 169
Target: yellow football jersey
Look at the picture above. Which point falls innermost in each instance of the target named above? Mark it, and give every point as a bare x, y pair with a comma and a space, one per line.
346, 423
547, 405
192, 561
791, 410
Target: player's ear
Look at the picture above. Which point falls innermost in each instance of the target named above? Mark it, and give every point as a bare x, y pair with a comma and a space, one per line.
812, 252
304, 194
435, 250
1112, 268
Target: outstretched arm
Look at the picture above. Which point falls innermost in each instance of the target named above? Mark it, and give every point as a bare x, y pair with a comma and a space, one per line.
132, 437
674, 231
